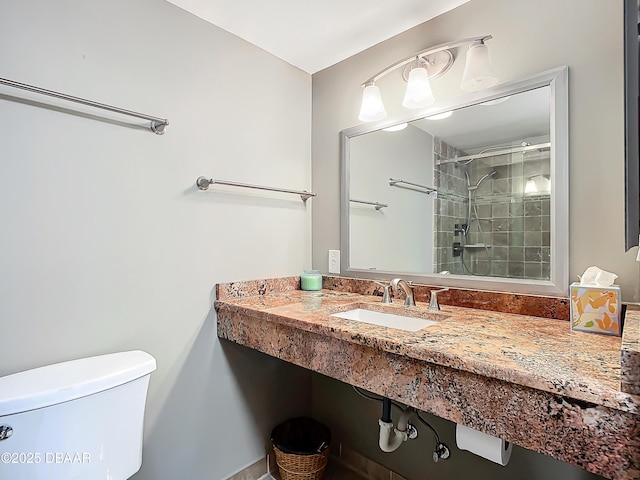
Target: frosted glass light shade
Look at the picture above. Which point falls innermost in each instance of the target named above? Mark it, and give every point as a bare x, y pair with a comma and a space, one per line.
538, 184
372, 108
440, 116
478, 74
531, 186
396, 128
418, 93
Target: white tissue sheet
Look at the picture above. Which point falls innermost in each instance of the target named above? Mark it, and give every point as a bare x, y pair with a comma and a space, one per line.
596, 277
484, 445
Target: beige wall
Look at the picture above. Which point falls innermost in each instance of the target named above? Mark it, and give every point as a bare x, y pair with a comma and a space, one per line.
530, 36
106, 243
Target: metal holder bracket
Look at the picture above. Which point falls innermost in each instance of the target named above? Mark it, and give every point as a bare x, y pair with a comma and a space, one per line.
5, 432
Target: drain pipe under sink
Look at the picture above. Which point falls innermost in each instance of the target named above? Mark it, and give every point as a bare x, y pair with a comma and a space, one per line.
392, 437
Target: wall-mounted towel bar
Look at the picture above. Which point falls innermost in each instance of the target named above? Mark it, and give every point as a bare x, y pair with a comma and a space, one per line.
157, 124
395, 181
377, 205
203, 184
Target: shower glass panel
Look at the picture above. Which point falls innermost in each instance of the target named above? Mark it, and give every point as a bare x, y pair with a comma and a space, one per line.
493, 210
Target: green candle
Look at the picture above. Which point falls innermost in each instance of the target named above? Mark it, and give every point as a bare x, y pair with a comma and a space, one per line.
311, 280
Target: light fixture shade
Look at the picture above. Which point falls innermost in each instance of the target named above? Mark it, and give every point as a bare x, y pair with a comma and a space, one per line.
396, 128
539, 183
372, 108
497, 101
531, 186
439, 116
478, 74
418, 93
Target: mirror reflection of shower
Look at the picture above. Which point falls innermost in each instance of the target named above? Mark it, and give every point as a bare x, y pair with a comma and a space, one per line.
472, 219
493, 209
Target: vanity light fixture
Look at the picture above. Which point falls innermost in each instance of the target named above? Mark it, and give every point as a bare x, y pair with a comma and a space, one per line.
372, 108
420, 68
531, 186
418, 93
542, 185
477, 69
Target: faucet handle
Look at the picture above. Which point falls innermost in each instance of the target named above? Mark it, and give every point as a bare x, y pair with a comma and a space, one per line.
440, 290
386, 296
433, 301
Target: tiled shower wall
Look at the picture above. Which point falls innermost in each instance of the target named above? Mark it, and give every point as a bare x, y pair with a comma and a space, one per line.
450, 206
509, 231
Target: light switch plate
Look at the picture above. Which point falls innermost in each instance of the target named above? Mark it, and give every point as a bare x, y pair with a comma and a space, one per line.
334, 261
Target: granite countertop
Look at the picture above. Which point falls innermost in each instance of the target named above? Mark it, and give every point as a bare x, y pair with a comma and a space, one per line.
504, 364
534, 352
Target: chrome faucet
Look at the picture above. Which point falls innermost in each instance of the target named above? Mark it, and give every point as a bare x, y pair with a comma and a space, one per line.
398, 283
433, 301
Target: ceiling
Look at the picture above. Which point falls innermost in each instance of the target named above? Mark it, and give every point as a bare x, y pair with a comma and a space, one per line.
315, 34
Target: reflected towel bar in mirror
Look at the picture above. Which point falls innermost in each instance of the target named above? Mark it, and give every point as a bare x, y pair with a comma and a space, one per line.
377, 205
395, 181
203, 184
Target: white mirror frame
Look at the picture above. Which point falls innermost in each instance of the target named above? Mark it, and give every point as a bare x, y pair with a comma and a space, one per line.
558, 284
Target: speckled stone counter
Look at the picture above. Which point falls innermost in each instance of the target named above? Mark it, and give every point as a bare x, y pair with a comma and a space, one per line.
526, 379
630, 354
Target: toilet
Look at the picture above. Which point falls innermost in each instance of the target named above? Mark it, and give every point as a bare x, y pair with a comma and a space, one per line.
77, 420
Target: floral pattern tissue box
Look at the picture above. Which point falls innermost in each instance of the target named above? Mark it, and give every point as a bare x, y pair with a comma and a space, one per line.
596, 309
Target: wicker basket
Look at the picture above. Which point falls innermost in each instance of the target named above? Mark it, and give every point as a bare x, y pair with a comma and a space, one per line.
301, 446
301, 467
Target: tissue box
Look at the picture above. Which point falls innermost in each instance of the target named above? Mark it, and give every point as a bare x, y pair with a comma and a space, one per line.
596, 309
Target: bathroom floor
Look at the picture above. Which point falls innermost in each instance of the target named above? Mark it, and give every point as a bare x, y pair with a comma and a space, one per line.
333, 472
336, 471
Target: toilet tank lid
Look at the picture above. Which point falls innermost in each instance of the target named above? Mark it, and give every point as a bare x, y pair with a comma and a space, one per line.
61, 382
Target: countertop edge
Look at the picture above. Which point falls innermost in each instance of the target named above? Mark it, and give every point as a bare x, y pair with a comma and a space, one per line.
618, 400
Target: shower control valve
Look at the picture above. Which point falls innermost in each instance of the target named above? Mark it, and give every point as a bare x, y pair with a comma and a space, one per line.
459, 228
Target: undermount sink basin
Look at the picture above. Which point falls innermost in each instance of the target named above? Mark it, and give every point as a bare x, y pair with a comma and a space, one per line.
383, 319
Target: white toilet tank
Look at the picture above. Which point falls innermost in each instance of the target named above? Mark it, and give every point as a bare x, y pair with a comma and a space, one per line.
77, 420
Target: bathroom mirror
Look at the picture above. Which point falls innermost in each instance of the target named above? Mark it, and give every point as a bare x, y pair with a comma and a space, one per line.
632, 119
470, 193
